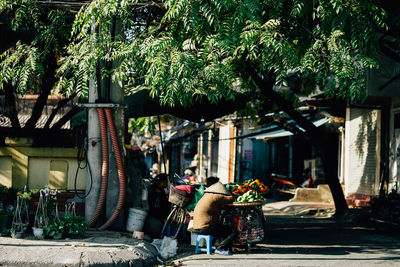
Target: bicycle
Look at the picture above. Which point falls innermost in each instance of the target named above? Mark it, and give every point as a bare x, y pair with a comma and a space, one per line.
180, 200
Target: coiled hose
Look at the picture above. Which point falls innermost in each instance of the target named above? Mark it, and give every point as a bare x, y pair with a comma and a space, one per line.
121, 172
104, 168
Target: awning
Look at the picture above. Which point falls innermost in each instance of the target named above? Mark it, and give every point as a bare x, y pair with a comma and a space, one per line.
141, 104
283, 133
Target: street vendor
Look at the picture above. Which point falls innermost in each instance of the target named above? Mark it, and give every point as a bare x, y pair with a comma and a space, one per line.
206, 218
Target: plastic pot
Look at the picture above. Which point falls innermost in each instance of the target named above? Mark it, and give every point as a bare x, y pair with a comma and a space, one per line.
38, 233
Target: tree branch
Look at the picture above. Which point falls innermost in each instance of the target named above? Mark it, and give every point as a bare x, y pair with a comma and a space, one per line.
389, 49
37, 109
60, 123
266, 88
60, 104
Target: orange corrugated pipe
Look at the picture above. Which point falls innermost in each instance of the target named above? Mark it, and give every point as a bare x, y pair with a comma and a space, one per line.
104, 168
121, 172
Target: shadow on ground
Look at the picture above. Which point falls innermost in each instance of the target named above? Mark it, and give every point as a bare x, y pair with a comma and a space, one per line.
288, 235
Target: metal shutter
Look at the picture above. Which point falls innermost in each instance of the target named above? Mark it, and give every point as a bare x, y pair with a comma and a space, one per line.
362, 151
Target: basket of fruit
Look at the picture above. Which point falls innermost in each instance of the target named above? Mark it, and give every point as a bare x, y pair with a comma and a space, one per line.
254, 185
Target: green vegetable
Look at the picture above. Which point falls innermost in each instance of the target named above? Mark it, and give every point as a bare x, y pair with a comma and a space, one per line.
250, 196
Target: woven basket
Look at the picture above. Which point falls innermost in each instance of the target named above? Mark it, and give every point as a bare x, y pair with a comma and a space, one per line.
246, 204
179, 197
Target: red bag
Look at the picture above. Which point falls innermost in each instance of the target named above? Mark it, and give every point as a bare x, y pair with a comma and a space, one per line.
187, 188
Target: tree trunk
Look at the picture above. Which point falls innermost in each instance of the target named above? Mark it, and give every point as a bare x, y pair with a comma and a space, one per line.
49, 81
321, 139
329, 156
12, 112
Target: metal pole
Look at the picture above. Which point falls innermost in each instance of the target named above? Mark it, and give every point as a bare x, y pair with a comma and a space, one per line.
162, 144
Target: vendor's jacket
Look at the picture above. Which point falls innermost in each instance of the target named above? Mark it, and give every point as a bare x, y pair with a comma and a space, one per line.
208, 209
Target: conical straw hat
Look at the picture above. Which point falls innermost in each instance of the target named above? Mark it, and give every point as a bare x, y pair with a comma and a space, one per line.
217, 188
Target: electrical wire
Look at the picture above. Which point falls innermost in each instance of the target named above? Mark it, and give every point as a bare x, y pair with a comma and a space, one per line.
81, 156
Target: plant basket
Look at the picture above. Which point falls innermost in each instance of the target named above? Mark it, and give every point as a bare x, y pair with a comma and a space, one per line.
38, 233
179, 197
17, 234
57, 236
20, 220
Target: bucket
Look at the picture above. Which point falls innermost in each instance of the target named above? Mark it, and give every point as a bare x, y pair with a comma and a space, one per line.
135, 220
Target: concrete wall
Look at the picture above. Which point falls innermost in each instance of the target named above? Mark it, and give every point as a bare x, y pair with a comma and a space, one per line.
37, 167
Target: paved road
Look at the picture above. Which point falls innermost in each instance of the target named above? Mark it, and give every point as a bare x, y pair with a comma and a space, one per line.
302, 240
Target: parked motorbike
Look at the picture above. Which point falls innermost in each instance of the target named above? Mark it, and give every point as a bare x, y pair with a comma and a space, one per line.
283, 189
386, 211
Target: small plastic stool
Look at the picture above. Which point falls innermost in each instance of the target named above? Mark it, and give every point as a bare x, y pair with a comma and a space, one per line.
209, 248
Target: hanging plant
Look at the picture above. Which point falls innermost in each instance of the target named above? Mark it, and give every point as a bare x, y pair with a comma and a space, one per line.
41, 216
46, 212
21, 218
74, 226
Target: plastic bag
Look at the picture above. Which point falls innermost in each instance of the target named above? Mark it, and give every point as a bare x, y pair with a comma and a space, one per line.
168, 247
157, 244
197, 195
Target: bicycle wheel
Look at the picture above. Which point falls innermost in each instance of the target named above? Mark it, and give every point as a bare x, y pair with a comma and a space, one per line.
177, 216
180, 220
169, 218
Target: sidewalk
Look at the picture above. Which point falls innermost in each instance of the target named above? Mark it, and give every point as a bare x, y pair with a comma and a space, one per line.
96, 249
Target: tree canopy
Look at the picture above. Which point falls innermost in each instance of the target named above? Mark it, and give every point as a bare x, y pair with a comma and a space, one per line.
212, 47
180, 50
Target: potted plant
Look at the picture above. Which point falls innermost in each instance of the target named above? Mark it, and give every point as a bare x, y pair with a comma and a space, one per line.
21, 218
55, 229
18, 230
75, 226
41, 216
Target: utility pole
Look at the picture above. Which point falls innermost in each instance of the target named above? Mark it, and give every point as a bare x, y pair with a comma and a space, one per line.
116, 97
93, 180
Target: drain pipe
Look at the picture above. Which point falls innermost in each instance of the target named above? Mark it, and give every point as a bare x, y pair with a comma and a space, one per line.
121, 172
104, 168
